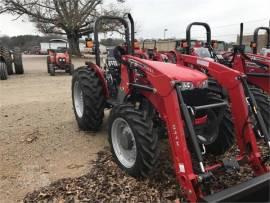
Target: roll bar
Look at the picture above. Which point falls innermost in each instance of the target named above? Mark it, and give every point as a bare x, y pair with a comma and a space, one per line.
150, 40
255, 37
96, 31
57, 40
188, 33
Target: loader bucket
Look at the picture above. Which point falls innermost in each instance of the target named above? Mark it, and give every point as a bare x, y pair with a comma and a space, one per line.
254, 190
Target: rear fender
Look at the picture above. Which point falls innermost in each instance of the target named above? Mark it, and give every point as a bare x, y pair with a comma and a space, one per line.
100, 74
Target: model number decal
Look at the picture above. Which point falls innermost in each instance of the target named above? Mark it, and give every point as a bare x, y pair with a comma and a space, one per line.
140, 65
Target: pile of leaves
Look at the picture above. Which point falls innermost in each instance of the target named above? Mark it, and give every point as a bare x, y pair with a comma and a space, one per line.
106, 182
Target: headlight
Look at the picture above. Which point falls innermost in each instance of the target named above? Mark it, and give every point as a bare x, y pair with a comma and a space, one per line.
204, 84
187, 86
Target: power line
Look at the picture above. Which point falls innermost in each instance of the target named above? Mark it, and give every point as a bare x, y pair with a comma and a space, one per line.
229, 25
245, 22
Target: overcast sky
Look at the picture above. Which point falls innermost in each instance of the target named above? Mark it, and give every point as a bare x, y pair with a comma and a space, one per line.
153, 16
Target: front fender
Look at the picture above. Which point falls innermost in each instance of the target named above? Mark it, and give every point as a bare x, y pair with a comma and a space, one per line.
100, 74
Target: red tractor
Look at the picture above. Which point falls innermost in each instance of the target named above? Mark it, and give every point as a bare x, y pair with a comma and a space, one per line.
148, 97
150, 53
256, 68
58, 57
180, 46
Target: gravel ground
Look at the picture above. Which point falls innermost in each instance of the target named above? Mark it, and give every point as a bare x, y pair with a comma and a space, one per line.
39, 138
106, 182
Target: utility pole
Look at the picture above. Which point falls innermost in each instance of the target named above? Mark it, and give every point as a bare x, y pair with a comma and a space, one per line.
165, 30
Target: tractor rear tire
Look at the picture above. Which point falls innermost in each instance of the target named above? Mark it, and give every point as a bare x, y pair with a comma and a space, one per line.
263, 103
215, 87
3, 71
141, 161
225, 139
52, 70
262, 100
17, 57
88, 99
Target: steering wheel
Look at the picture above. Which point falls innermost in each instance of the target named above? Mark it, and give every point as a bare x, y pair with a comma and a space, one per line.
118, 52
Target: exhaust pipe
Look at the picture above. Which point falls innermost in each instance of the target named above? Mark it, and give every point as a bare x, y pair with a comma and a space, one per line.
254, 190
241, 34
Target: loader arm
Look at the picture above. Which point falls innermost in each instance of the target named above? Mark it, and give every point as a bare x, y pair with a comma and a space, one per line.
166, 98
235, 84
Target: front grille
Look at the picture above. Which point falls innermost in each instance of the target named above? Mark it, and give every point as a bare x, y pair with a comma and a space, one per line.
195, 97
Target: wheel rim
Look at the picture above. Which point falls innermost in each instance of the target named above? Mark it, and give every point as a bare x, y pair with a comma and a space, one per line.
123, 142
78, 99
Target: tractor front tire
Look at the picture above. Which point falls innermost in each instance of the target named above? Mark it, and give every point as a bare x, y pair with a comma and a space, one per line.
48, 64
52, 70
133, 140
263, 103
3, 71
88, 99
17, 57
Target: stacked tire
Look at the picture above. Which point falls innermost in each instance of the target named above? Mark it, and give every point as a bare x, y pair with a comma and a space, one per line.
3, 71
6, 57
17, 58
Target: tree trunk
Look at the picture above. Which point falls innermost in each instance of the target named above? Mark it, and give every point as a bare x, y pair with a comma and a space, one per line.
73, 40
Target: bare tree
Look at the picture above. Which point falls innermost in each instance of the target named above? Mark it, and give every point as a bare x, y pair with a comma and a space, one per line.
65, 17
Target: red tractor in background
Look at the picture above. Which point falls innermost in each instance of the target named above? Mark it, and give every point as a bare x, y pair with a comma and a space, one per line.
58, 57
254, 65
146, 96
180, 46
150, 53
256, 68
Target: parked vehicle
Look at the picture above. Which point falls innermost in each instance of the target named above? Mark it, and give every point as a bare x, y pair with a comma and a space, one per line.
59, 58
145, 96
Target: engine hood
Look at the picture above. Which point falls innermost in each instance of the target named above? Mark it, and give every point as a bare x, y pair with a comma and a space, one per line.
176, 72
61, 55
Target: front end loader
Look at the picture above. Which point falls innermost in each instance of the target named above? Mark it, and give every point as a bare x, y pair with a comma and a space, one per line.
146, 96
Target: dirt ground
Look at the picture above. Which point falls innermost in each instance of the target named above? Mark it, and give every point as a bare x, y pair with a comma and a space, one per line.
39, 138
